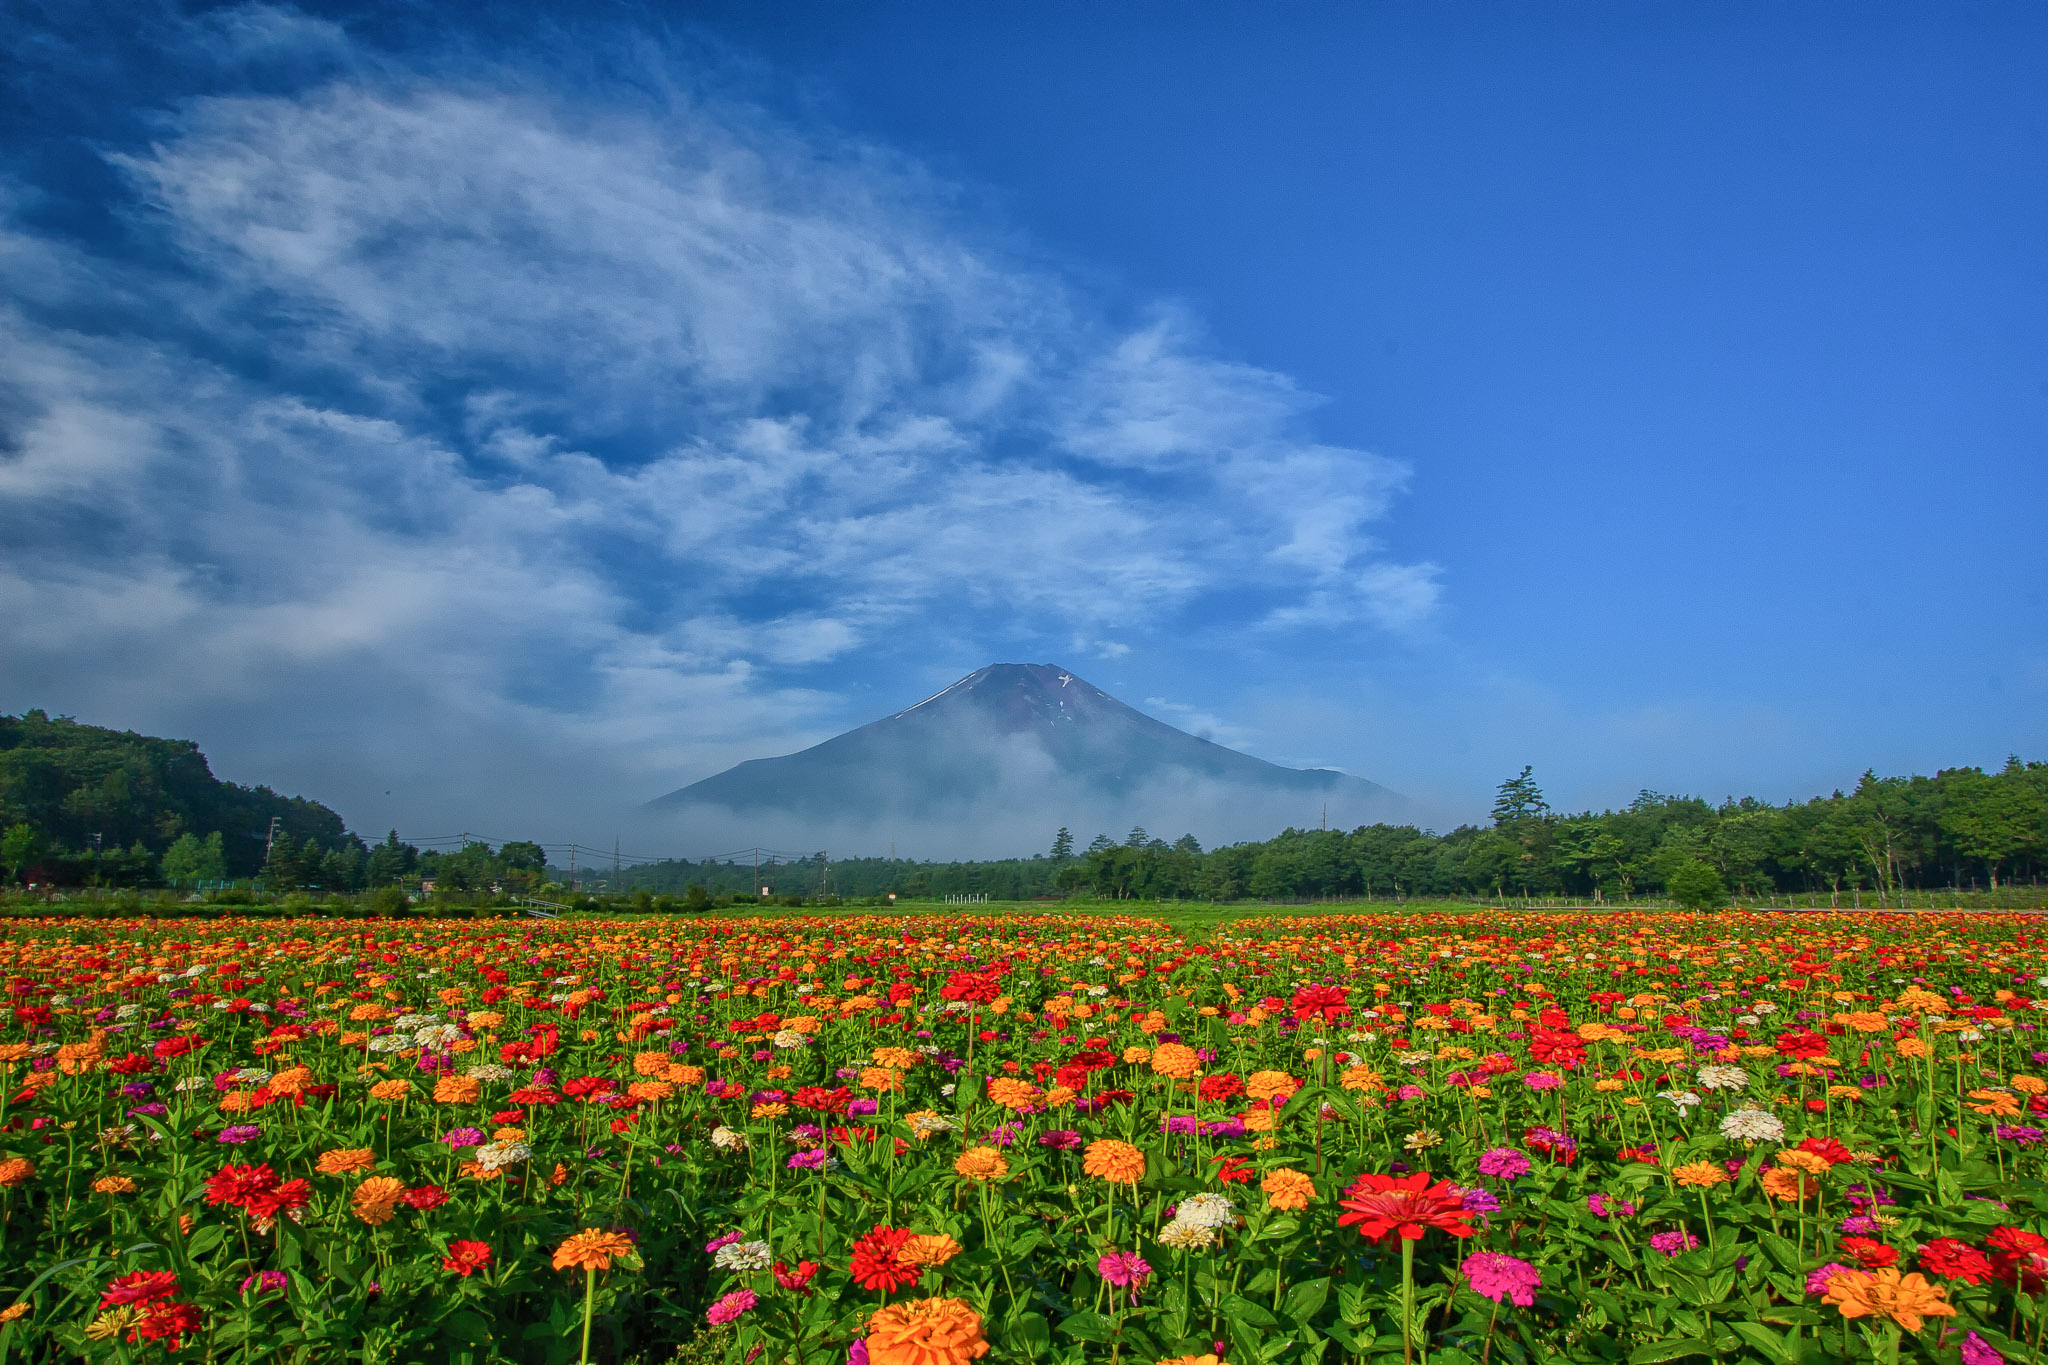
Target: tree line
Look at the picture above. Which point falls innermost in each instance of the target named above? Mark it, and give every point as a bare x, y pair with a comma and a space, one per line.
1962, 828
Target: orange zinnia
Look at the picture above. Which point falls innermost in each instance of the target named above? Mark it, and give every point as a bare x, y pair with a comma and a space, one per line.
1699, 1175
1117, 1162
346, 1161
1176, 1060
592, 1249
1288, 1190
458, 1090
1907, 1300
981, 1163
926, 1332
376, 1199
929, 1249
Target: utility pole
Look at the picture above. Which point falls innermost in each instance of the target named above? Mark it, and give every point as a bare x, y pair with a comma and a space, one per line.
572, 866
824, 870
615, 862
270, 839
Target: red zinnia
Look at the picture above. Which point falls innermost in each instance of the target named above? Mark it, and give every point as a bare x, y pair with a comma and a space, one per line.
1233, 1169
798, 1279
239, 1185
2017, 1258
466, 1258
1384, 1206
144, 1286
1829, 1150
1222, 1086
1326, 1001
1954, 1260
424, 1198
166, 1322
1801, 1044
1557, 1048
878, 1261
1869, 1254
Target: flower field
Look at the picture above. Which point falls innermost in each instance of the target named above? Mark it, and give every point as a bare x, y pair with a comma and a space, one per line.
927, 1141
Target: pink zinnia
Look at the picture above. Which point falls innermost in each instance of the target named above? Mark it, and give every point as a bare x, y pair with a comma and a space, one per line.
1124, 1269
1500, 1277
1543, 1080
1504, 1163
730, 1307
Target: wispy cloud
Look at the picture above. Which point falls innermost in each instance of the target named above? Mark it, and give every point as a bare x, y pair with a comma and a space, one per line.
488, 404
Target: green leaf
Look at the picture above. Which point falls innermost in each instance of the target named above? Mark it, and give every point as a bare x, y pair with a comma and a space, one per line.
1031, 1331
1305, 1299
1764, 1340
1659, 1351
1241, 1309
1085, 1326
1782, 1252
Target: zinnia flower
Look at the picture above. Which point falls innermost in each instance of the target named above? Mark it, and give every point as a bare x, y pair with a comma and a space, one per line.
1288, 1190
981, 1163
592, 1249
1124, 1270
878, 1261
929, 1249
376, 1199
346, 1161
466, 1258
925, 1332
731, 1307
1385, 1207
1117, 1162
1699, 1175
1907, 1300
1954, 1260
1497, 1277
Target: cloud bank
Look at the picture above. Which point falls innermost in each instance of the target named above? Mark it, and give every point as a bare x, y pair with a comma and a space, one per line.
525, 449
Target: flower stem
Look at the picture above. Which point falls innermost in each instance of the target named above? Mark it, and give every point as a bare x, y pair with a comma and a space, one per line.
589, 1293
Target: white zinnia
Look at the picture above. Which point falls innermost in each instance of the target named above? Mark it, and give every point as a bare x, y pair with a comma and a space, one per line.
744, 1256
1206, 1211
1723, 1077
1753, 1125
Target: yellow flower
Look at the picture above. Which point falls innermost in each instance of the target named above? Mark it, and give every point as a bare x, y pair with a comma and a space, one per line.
16, 1170
1137, 1056
981, 1163
1996, 1103
1812, 1163
113, 1184
770, 1110
2030, 1085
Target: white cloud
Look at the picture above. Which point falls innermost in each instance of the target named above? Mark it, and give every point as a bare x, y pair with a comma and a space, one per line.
513, 414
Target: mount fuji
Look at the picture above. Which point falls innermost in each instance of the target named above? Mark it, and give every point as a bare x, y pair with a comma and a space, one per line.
1027, 744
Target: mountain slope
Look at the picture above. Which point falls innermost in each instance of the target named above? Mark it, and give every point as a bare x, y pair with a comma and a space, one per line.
1018, 738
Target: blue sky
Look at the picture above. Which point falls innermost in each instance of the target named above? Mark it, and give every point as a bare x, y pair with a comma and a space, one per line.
525, 413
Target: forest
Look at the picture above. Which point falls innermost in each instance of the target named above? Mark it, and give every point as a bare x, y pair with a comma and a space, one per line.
80, 804
1962, 828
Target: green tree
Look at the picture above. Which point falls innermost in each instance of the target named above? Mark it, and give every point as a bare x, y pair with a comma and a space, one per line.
19, 847
1062, 845
192, 859
1519, 798
1695, 885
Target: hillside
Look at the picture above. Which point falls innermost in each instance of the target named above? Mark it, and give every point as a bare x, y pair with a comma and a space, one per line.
70, 782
